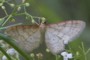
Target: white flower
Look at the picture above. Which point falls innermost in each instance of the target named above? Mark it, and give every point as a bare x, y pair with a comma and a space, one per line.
11, 51
4, 58
69, 55
66, 55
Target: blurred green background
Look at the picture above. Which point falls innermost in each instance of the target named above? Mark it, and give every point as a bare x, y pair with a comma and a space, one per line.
60, 10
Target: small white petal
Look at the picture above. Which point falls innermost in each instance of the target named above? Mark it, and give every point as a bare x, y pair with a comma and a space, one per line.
65, 58
11, 51
64, 54
4, 58
70, 55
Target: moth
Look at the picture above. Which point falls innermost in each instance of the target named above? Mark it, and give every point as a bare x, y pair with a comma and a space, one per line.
28, 37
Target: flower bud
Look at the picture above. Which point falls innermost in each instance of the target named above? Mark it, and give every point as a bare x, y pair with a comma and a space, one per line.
32, 55
19, 8
33, 21
27, 4
3, 7
43, 19
12, 5
4, 58
39, 55
47, 50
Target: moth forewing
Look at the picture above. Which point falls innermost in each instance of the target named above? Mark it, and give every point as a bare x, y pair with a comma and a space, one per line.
27, 37
57, 34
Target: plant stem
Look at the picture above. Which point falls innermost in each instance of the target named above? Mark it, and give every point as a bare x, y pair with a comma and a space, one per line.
87, 51
83, 49
56, 57
5, 12
1, 28
6, 20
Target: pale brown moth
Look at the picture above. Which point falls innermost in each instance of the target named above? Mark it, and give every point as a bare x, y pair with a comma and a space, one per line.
28, 37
